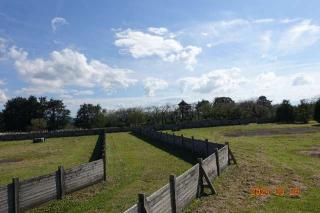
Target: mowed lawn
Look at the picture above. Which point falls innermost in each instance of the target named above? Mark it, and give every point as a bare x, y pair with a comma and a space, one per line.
133, 166
270, 156
25, 159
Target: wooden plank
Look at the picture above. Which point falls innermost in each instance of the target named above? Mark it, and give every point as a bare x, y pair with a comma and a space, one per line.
6, 198
209, 165
160, 200
37, 190
223, 157
208, 181
133, 209
84, 175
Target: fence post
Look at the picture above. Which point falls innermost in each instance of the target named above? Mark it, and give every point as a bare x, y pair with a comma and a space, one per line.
15, 187
207, 147
142, 204
61, 192
230, 154
193, 151
217, 161
200, 183
103, 154
173, 195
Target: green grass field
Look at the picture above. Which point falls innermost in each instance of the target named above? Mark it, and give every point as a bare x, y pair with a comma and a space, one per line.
133, 166
24, 159
269, 156
284, 157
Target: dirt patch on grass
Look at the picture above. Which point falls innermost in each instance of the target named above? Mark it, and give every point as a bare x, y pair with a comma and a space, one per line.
12, 160
269, 132
313, 152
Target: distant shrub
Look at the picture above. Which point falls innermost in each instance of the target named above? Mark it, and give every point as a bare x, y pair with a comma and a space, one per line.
38, 124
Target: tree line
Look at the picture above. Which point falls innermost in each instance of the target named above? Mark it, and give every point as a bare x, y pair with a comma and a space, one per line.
34, 114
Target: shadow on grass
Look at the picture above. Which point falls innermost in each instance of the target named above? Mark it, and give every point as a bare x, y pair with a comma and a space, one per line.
316, 125
179, 153
96, 154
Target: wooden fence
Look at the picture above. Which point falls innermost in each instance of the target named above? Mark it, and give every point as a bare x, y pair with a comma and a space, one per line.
210, 123
22, 195
180, 191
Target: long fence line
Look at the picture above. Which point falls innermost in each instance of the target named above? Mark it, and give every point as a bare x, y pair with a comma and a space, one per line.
72, 133
26, 194
181, 190
210, 123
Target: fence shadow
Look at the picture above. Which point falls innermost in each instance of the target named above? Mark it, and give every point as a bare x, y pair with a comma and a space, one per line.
179, 153
96, 154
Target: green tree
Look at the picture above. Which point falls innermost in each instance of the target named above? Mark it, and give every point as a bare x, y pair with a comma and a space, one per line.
19, 111
224, 108
316, 114
2, 127
90, 116
135, 116
285, 112
223, 100
263, 101
203, 109
302, 112
55, 113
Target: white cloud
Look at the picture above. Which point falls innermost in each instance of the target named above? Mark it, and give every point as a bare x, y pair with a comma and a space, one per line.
152, 84
234, 83
301, 79
140, 44
81, 92
264, 21
57, 22
221, 80
67, 68
299, 36
158, 31
3, 97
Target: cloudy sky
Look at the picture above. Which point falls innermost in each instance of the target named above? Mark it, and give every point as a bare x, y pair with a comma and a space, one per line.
138, 53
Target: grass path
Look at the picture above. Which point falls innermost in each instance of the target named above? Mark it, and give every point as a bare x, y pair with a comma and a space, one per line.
133, 166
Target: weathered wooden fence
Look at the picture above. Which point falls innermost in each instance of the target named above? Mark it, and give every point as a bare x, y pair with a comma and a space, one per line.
180, 191
22, 195
210, 123
48, 134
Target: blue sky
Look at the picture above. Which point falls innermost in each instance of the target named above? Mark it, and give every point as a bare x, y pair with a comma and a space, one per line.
142, 53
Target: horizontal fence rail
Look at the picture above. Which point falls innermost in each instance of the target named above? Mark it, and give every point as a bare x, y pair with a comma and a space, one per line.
210, 123
181, 190
26, 194
79, 132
